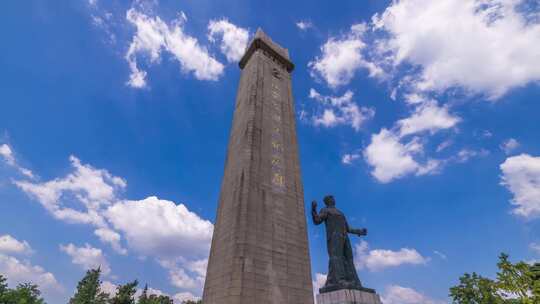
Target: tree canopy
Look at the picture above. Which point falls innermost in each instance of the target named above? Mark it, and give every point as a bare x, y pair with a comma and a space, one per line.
25, 293
88, 292
515, 283
144, 298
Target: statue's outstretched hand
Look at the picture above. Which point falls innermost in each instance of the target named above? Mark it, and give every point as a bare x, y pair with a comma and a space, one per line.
362, 232
314, 205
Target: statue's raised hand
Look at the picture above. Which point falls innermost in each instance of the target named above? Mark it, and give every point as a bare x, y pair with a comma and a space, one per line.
314, 205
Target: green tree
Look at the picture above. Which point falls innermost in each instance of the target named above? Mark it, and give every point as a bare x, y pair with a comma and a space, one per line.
89, 290
535, 276
517, 283
153, 299
475, 289
3, 286
161, 299
25, 293
125, 294
514, 279
143, 298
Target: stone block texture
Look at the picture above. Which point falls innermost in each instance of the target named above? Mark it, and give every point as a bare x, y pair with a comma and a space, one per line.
346, 296
259, 252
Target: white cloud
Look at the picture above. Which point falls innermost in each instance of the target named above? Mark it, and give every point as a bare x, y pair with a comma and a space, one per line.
445, 144
509, 145
521, 176
341, 57
10, 245
391, 156
103, 20
340, 110
318, 283
304, 25
7, 154
426, 50
110, 236
173, 235
535, 247
161, 228
390, 159
108, 287
448, 39
87, 257
198, 266
154, 36
427, 117
349, 158
234, 39
440, 254
327, 119
379, 259
187, 274
177, 237
151, 291
111, 288
395, 294
184, 296
465, 154
414, 98
181, 279
91, 188
18, 271
87, 191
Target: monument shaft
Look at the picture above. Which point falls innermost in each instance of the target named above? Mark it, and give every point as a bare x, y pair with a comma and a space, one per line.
259, 252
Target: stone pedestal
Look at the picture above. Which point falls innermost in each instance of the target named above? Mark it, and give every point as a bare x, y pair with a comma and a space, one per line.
348, 296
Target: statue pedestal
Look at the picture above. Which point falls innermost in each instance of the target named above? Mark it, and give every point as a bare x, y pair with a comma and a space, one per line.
348, 296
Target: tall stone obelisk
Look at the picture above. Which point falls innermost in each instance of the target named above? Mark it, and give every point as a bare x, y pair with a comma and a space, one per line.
260, 251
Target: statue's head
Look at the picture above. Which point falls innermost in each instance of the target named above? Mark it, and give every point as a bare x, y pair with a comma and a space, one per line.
329, 201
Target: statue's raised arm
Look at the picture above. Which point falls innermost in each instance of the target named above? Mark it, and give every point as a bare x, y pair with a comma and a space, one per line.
318, 218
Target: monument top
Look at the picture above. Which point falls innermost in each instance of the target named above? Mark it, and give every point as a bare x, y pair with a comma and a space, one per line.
264, 42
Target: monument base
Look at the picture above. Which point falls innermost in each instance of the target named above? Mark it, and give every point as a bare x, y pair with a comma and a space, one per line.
348, 296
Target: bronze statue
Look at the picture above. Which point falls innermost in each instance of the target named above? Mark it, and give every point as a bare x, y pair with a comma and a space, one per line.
341, 270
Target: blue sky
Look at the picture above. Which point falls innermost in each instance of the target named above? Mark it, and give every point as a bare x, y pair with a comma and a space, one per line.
421, 119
